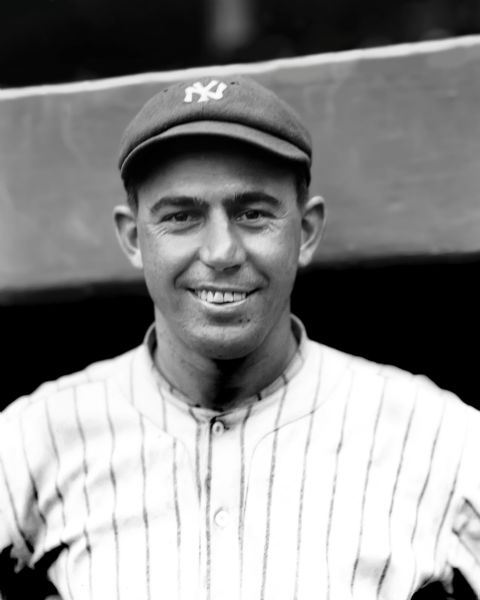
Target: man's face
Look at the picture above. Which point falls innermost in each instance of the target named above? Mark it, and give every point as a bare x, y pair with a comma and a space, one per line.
219, 233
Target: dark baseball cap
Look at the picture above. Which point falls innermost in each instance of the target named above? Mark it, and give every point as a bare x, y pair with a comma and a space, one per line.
237, 108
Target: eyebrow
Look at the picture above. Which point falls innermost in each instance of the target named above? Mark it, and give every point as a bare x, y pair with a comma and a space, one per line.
248, 197
254, 196
175, 202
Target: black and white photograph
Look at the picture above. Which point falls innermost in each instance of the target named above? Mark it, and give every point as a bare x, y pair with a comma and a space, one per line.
239, 258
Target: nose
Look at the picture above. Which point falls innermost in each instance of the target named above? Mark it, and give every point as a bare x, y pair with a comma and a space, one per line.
221, 248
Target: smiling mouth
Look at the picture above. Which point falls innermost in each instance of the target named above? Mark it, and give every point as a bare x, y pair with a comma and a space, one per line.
218, 297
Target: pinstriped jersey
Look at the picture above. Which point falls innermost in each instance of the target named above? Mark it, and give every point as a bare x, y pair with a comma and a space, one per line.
341, 480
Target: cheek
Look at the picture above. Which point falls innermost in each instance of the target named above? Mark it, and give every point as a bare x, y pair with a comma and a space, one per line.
277, 255
287, 257
164, 261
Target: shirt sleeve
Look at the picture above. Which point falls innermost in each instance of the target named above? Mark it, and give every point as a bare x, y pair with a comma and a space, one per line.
6, 571
5, 538
464, 555
6, 541
11, 555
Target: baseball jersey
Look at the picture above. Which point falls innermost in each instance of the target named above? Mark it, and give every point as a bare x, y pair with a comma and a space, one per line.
342, 479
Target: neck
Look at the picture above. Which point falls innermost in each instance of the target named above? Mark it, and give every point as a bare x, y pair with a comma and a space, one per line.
224, 384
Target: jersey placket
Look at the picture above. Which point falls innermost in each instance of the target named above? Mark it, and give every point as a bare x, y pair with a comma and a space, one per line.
221, 509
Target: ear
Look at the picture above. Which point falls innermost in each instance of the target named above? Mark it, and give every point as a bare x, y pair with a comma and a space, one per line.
127, 234
313, 223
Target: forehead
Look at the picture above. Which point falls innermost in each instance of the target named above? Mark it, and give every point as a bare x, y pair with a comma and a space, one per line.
210, 166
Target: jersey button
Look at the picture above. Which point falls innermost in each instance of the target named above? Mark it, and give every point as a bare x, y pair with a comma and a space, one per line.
221, 518
218, 428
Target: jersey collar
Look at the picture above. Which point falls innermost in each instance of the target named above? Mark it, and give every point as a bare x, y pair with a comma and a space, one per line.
288, 374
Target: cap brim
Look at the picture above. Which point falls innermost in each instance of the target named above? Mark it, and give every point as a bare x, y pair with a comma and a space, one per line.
235, 131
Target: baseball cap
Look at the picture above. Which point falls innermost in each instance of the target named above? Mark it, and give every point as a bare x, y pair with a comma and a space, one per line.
237, 108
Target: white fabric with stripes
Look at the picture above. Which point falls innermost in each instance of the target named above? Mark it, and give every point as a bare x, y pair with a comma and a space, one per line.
343, 479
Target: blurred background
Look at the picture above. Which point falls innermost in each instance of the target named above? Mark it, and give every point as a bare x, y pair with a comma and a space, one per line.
51, 41
421, 315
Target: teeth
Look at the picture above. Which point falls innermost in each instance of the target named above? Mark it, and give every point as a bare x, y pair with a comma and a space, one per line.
220, 297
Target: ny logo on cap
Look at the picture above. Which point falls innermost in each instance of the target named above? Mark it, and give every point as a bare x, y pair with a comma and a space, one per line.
205, 92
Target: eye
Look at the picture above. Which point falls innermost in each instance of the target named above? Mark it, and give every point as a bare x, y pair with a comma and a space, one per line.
183, 216
252, 214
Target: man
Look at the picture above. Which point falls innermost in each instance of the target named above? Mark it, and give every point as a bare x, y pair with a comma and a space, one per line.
229, 456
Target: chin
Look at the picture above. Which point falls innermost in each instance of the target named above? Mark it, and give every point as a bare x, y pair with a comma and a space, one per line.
227, 345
